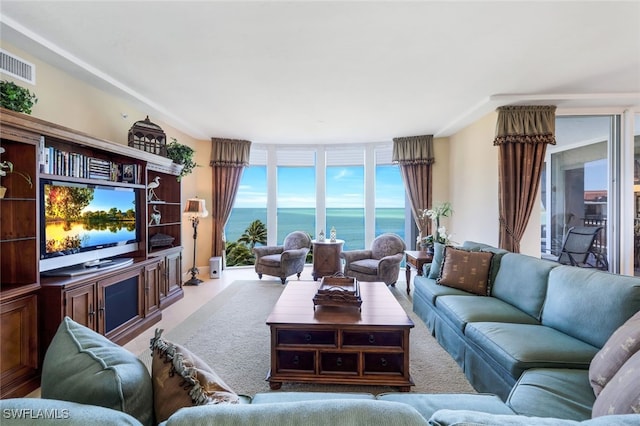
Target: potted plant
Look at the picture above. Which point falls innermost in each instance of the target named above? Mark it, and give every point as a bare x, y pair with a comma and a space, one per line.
6, 167
16, 98
183, 155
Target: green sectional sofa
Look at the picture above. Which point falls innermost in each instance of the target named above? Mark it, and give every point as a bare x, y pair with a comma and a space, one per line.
533, 336
86, 379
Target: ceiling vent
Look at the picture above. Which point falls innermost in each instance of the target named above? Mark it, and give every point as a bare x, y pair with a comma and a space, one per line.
17, 67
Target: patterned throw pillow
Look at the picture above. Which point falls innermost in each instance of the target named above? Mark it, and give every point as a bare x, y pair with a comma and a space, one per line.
466, 270
622, 394
181, 379
621, 346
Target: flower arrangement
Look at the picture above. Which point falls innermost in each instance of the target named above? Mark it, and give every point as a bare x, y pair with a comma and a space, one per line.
439, 232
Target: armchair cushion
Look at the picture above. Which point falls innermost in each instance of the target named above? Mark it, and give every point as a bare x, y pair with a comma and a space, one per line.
365, 266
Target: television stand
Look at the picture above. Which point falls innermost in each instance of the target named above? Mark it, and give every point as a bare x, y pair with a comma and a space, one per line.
90, 267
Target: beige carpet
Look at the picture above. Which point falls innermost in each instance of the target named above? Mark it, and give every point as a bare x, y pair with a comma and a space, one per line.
231, 335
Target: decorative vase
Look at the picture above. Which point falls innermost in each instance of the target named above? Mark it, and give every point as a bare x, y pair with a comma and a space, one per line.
321, 236
333, 234
3, 190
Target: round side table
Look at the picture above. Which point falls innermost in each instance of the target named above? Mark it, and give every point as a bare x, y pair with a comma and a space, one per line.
326, 258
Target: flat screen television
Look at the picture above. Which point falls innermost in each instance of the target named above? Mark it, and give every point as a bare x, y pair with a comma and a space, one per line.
82, 224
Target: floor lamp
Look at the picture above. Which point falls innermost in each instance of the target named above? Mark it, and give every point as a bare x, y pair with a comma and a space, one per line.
194, 210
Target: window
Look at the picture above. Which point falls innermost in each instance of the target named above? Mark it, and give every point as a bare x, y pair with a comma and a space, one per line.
250, 204
345, 196
355, 189
296, 200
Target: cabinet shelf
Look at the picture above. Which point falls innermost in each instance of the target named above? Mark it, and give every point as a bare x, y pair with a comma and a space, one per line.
90, 181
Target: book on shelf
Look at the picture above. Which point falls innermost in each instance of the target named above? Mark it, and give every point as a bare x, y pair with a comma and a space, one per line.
57, 162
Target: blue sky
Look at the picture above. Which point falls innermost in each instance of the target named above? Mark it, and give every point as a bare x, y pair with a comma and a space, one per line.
107, 199
296, 187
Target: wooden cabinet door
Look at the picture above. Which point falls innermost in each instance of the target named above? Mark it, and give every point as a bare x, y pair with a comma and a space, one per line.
120, 302
80, 305
19, 348
152, 287
173, 265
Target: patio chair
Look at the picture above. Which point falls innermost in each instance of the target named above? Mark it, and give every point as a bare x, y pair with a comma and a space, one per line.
579, 250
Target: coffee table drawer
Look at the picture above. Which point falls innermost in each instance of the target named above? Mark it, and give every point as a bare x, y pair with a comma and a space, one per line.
300, 361
384, 363
334, 362
306, 337
373, 338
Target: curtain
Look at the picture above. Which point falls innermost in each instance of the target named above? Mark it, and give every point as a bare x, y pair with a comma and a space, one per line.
522, 135
414, 155
229, 157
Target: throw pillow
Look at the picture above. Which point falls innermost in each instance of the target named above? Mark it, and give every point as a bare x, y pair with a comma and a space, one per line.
622, 394
466, 270
83, 366
622, 344
436, 262
181, 379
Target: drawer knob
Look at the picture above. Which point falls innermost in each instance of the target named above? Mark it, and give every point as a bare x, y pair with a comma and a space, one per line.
339, 361
383, 362
296, 360
307, 337
372, 338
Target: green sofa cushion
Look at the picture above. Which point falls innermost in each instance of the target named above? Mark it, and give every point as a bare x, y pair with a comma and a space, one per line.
474, 418
460, 310
518, 347
52, 412
83, 366
271, 397
588, 304
430, 290
559, 392
436, 263
330, 412
522, 282
427, 404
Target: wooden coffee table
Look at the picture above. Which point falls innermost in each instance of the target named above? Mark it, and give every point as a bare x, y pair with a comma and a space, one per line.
342, 345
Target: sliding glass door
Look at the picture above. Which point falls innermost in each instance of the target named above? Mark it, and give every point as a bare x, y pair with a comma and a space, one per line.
577, 192
586, 183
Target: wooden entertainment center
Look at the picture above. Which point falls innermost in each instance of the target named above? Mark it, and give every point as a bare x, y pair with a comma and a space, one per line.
118, 300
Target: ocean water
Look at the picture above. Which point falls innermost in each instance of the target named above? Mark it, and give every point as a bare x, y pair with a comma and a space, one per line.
349, 223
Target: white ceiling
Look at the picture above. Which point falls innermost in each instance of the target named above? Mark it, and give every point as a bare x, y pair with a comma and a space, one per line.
337, 72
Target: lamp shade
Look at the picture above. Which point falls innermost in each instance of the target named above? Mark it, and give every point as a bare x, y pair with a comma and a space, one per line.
195, 208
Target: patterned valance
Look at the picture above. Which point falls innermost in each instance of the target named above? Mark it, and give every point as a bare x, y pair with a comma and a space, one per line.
230, 152
413, 150
526, 124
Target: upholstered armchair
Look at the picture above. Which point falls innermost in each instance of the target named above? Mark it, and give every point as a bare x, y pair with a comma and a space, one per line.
285, 260
380, 263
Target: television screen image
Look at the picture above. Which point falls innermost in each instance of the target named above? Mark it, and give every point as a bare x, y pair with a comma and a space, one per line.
78, 218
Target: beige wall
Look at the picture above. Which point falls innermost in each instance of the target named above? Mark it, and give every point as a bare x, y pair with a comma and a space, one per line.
70, 102
473, 188
465, 172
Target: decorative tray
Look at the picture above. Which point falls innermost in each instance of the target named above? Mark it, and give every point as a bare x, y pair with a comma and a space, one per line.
338, 291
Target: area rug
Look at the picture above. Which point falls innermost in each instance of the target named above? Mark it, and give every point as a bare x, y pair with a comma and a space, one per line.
231, 335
